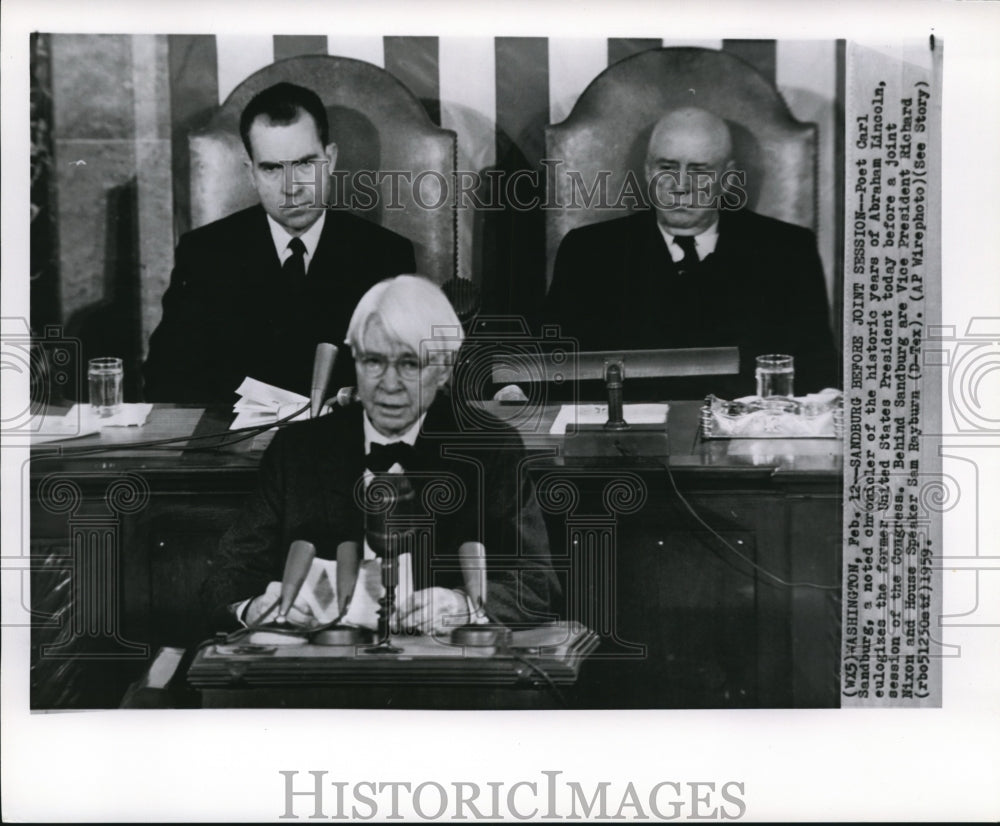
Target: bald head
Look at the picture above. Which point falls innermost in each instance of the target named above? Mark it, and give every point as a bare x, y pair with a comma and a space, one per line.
689, 150
695, 130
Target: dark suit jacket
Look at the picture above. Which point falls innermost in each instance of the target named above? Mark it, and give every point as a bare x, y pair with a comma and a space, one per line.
309, 479
615, 287
228, 313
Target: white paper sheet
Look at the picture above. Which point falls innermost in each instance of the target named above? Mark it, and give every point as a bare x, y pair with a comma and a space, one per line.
261, 404
598, 414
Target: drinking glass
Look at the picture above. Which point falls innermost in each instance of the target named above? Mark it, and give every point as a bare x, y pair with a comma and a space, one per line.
104, 375
775, 375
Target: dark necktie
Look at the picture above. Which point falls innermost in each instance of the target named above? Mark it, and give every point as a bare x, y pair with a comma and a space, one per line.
382, 457
690, 260
293, 271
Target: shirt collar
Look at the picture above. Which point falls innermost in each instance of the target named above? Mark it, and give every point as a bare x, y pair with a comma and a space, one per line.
280, 236
704, 242
372, 436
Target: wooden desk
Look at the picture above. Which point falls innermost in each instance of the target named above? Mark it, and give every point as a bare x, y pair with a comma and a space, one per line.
684, 621
428, 672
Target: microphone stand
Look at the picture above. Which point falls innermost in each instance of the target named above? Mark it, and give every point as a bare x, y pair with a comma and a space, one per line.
387, 493
386, 605
614, 380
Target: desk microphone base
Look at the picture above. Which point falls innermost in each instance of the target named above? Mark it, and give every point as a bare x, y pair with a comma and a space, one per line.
345, 635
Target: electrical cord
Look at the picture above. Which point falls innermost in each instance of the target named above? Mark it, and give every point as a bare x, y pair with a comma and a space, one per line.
550, 683
224, 438
259, 625
624, 451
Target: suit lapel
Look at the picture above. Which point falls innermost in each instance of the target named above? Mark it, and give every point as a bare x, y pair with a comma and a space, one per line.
341, 455
654, 272
735, 260
439, 425
731, 275
321, 267
256, 247
733, 241
654, 259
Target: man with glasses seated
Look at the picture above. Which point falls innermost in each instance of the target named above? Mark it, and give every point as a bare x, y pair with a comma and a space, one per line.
404, 336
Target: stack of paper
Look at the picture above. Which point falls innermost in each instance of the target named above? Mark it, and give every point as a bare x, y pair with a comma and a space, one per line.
262, 404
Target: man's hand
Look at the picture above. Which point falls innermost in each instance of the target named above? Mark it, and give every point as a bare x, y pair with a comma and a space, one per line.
264, 608
433, 611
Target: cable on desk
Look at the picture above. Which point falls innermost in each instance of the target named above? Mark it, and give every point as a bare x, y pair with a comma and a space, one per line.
550, 683
624, 451
259, 625
225, 438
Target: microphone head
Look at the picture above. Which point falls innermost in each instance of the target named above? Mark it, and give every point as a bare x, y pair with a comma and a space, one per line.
346, 396
326, 356
297, 564
389, 504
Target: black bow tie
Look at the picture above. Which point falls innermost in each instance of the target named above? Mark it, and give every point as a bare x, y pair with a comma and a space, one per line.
382, 457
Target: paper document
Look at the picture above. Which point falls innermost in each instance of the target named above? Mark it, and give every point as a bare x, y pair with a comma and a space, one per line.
319, 591
80, 420
261, 404
67, 426
578, 414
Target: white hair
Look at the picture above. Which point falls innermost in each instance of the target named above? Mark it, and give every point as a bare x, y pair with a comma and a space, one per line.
413, 311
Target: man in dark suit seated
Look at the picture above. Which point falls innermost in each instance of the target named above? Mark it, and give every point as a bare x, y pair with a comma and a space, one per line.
253, 293
404, 335
695, 272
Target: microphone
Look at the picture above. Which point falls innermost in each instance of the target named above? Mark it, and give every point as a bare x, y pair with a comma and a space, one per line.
614, 380
348, 562
479, 634
326, 355
345, 397
472, 558
297, 563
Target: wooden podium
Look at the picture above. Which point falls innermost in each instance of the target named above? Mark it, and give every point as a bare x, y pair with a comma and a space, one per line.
428, 672
122, 540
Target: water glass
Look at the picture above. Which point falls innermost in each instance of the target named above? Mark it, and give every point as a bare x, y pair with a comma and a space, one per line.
775, 375
104, 376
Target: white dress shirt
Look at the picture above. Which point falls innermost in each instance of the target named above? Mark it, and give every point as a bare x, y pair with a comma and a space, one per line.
704, 243
281, 238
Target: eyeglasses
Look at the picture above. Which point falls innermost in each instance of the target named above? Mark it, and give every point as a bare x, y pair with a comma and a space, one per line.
374, 365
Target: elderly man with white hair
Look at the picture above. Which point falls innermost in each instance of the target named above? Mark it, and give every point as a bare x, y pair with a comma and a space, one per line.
404, 336
696, 269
